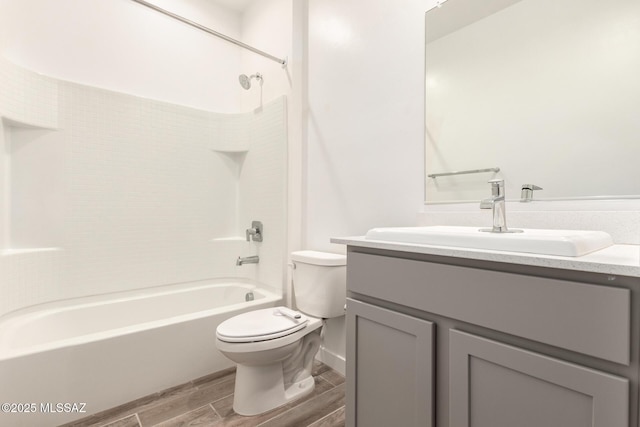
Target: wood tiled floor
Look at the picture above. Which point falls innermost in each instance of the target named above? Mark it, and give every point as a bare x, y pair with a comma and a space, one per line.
208, 401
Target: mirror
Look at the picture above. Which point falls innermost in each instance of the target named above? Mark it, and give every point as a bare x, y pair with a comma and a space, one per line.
545, 90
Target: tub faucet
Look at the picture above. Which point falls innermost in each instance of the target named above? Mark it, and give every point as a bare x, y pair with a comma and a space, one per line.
248, 260
496, 203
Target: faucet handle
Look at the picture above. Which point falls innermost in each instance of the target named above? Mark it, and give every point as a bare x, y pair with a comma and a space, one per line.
497, 187
531, 187
526, 195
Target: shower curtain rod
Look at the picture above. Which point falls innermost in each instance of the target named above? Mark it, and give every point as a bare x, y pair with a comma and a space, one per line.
283, 62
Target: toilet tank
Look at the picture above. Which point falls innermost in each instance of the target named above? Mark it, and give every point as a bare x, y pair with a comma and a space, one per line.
320, 283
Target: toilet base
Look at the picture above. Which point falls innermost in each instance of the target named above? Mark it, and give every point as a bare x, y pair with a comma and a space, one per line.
262, 389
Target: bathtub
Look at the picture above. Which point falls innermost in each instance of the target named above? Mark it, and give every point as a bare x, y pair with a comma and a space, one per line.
66, 360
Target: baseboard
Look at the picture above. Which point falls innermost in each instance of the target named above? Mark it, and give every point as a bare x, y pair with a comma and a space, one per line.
332, 360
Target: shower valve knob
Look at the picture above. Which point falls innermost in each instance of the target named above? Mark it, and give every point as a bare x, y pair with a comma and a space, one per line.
255, 232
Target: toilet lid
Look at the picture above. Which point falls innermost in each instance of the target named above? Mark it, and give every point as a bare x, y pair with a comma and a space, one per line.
259, 325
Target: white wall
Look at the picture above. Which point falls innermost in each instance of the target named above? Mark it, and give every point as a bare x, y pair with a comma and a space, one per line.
365, 145
266, 25
366, 126
126, 47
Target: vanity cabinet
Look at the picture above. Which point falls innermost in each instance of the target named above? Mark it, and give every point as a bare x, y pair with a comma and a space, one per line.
456, 343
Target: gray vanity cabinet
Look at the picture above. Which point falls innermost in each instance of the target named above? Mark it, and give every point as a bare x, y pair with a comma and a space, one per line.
392, 367
438, 342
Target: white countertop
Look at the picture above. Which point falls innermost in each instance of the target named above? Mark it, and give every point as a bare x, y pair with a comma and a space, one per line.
623, 260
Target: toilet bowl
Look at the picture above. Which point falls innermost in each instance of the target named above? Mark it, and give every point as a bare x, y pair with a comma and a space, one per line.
274, 347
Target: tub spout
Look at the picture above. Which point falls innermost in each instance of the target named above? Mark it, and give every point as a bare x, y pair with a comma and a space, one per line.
248, 260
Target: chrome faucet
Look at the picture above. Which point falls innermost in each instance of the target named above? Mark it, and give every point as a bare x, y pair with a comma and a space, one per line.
248, 260
255, 232
496, 203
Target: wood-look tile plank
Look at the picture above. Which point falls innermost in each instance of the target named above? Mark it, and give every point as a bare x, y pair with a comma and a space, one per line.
334, 377
130, 421
230, 419
180, 405
319, 368
203, 416
105, 417
216, 376
311, 410
129, 408
217, 383
334, 419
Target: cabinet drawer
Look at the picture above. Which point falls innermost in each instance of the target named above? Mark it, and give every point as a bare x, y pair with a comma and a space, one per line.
586, 318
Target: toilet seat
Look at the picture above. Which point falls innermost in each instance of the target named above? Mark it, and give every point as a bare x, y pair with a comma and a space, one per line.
259, 325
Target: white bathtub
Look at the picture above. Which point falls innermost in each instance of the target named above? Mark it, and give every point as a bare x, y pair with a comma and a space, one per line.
108, 350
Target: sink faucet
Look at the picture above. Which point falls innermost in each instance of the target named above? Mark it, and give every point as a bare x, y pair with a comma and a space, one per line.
496, 203
248, 260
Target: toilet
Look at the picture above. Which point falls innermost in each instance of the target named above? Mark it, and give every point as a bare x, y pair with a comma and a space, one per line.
274, 347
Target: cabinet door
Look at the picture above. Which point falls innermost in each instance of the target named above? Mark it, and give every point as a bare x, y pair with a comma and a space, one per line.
497, 385
389, 368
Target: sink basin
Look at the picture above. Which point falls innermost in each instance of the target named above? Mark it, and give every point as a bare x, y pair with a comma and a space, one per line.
571, 243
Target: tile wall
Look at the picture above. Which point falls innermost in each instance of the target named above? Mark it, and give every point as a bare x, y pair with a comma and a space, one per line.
151, 193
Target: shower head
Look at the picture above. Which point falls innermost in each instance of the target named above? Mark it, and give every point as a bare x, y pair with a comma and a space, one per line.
245, 81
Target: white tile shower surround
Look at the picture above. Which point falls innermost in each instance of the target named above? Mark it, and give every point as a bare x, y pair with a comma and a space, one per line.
155, 193
28, 97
